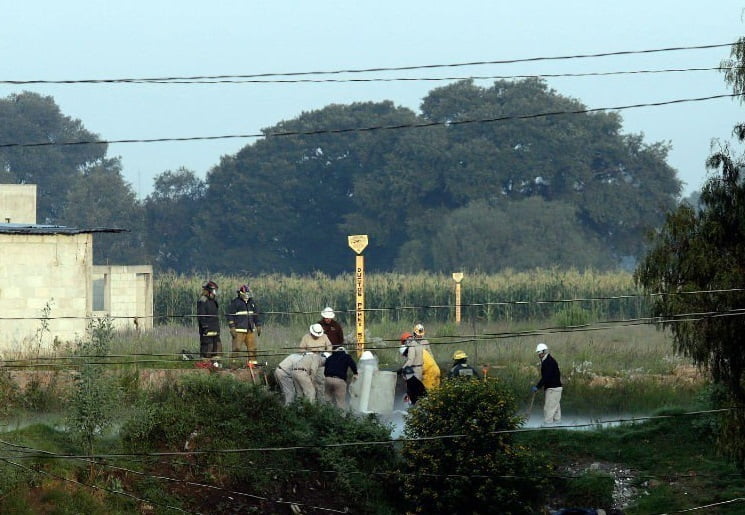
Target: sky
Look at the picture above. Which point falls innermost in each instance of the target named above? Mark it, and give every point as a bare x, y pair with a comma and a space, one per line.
80, 40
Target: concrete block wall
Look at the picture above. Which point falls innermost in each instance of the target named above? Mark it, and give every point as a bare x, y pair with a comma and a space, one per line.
18, 203
128, 295
38, 270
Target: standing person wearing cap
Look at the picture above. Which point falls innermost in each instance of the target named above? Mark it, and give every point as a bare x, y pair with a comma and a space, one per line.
335, 370
208, 322
430, 369
551, 384
461, 368
244, 323
412, 367
283, 375
316, 340
331, 327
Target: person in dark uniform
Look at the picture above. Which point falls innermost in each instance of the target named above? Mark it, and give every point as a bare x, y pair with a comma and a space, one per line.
461, 368
208, 322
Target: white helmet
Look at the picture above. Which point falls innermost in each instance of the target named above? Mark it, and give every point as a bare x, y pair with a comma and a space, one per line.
328, 313
316, 330
541, 348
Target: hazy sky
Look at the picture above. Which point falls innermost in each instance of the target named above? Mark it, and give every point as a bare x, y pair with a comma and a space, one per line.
73, 40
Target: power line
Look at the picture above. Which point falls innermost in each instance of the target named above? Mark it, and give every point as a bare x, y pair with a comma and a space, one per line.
383, 79
372, 128
380, 69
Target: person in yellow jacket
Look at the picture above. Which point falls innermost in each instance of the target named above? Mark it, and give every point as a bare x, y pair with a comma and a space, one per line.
430, 368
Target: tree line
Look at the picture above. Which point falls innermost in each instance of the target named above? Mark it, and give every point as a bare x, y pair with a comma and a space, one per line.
476, 189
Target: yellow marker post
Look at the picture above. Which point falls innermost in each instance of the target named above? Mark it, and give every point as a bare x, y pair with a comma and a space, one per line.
358, 243
457, 277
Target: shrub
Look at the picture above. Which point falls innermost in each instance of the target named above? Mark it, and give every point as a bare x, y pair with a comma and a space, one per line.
482, 471
216, 411
590, 489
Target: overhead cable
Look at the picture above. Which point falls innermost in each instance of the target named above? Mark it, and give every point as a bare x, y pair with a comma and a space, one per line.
419, 125
390, 79
383, 68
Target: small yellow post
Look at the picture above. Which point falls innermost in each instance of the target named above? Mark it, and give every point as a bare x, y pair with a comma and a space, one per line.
358, 243
457, 277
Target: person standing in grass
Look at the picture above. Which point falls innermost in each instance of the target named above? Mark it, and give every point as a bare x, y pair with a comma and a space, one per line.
244, 323
331, 327
551, 383
208, 322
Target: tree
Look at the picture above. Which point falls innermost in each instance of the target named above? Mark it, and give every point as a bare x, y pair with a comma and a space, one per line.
702, 249
101, 197
54, 168
170, 214
520, 235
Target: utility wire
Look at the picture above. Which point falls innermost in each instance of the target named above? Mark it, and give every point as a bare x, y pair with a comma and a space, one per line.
385, 79
372, 128
381, 69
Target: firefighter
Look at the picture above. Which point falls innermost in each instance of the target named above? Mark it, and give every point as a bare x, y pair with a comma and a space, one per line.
208, 322
244, 323
461, 368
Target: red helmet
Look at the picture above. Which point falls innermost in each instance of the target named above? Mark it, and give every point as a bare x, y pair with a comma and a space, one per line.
209, 285
244, 289
405, 336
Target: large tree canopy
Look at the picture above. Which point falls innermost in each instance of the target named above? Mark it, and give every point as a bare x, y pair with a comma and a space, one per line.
288, 202
31, 118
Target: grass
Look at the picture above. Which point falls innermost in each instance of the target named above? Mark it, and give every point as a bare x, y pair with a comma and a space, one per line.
673, 461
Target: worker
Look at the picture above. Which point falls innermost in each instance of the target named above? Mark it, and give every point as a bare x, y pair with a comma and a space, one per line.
316, 340
551, 383
331, 328
412, 367
430, 369
461, 368
419, 335
283, 375
244, 323
336, 371
208, 322
303, 374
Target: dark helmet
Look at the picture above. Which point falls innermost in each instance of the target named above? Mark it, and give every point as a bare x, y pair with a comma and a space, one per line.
209, 286
244, 289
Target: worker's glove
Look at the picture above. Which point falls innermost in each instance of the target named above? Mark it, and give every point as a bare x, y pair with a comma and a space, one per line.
534, 389
233, 332
258, 330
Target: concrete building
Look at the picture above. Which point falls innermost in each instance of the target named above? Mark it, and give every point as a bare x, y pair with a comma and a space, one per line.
49, 287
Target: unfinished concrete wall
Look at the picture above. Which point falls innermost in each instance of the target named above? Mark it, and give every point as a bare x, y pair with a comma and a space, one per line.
18, 203
125, 293
40, 271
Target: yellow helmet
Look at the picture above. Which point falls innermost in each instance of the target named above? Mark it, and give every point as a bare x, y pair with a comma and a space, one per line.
459, 354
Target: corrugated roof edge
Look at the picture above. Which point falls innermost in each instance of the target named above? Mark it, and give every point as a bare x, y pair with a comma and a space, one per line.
53, 229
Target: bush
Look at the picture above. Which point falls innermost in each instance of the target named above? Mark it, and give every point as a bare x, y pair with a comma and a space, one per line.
216, 411
483, 471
